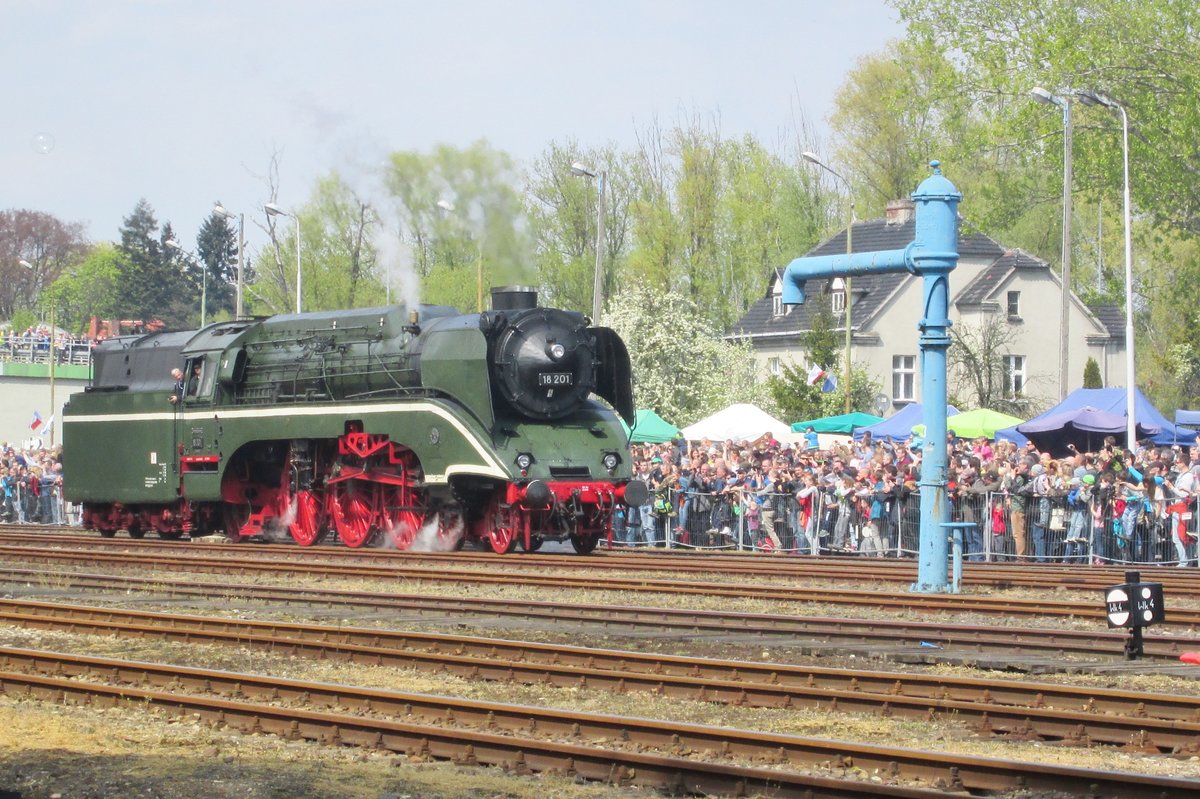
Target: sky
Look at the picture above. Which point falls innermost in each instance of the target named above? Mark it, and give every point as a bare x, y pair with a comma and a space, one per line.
185, 103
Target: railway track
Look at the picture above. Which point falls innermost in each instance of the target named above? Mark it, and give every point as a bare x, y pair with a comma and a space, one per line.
1182, 619
991, 575
988, 645
665, 754
1150, 722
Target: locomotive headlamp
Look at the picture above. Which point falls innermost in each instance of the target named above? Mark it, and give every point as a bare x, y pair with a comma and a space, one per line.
557, 351
610, 461
524, 461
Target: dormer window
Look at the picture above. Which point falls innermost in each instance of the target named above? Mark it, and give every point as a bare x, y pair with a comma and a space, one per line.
777, 307
837, 295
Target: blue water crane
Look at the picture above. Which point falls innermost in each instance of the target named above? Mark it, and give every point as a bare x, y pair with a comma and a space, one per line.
932, 254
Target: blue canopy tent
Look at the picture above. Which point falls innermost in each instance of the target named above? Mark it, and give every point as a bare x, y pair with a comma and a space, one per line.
899, 427
1113, 401
1189, 418
1078, 428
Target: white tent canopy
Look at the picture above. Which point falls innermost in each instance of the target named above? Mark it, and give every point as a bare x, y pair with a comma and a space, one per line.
739, 422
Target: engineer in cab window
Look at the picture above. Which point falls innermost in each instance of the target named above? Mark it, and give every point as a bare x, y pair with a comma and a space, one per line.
193, 387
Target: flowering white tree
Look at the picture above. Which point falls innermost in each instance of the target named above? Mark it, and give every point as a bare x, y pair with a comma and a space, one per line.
682, 368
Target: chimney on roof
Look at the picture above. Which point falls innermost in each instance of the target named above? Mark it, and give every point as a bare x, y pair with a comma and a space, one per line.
900, 211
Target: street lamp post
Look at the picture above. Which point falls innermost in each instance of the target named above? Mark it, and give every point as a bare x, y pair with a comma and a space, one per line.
50, 352
1092, 98
274, 210
1064, 319
219, 210
579, 170
813, 159
175, 245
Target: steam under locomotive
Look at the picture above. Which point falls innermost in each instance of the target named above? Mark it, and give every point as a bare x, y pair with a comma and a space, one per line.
375, 425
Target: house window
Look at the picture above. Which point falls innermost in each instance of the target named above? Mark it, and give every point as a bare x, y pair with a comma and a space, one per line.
1014, 305
774, 367
1014, 376
776, 305
838, 301
904, 378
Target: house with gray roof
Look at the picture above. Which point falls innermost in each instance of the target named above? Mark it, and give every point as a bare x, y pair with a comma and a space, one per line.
990, 284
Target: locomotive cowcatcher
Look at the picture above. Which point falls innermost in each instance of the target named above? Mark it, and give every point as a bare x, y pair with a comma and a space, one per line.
413, 428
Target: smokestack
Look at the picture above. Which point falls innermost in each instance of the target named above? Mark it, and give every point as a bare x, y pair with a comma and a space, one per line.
514, 298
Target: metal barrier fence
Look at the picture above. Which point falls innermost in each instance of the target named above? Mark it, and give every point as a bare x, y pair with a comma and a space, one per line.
24, 505
1033, 528
34, 349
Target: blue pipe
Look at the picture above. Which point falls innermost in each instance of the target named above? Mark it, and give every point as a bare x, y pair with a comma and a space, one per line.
856, 264
933, 254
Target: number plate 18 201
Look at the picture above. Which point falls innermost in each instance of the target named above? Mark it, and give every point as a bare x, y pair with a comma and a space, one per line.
555, 378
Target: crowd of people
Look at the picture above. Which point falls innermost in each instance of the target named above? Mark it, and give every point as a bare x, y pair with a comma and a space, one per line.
1112, 505
34, 345
31, 481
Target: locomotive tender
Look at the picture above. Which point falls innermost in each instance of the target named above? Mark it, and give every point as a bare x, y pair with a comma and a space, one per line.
408, 429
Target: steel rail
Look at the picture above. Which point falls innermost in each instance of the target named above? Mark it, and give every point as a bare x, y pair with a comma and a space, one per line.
1150, 722
896, 600
920, 641
997, 575
497, 732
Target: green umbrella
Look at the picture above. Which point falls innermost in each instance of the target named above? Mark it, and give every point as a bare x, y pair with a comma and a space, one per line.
842, 423
979, 422
650, 428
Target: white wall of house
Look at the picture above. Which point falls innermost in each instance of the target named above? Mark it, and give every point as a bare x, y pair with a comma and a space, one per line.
889, 347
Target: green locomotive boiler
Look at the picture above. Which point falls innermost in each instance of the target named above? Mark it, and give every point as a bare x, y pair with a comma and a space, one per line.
413, 429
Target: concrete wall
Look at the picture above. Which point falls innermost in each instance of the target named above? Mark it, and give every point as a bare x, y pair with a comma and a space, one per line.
25, 388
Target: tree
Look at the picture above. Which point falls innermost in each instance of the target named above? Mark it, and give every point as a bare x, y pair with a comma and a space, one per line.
681, 367
894, 111
216, 247
1141, 52
821, 341
43, 240
797, 401
713, 216
480, 228
152, 280
978, 370
91, 289
561, 209
1091, 374
338, 230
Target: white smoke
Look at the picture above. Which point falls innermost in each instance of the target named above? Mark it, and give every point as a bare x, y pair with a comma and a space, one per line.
429, 539
275, 530
394, 260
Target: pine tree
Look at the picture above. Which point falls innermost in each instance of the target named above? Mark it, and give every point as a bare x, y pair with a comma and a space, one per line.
216, 247
152, 282
1091, 375
821, 340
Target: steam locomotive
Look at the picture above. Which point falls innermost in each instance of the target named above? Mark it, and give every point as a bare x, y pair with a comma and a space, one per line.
412, 428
